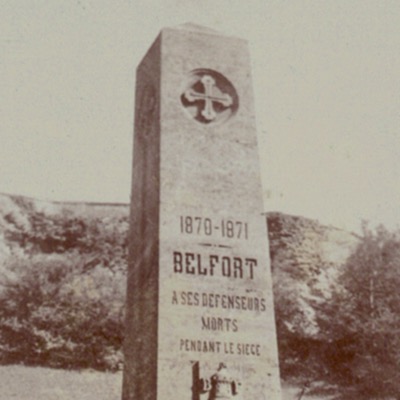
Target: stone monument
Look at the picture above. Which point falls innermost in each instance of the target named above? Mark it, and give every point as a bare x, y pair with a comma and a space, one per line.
199, 318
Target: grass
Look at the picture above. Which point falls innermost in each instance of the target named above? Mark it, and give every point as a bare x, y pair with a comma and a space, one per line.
33, 383
291, 392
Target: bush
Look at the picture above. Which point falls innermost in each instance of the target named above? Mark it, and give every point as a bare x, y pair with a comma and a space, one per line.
55, 312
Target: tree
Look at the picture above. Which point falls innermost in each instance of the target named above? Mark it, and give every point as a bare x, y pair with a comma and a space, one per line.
364, 324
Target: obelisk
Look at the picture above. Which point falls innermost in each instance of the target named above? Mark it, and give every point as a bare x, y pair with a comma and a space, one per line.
199, 317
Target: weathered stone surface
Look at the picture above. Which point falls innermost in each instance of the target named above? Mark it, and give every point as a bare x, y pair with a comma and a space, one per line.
199, 286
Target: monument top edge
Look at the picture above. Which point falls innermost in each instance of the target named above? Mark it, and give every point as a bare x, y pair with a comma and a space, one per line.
196, 28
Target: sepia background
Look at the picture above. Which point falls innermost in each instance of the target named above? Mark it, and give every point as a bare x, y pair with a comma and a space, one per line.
325, 80
326, 84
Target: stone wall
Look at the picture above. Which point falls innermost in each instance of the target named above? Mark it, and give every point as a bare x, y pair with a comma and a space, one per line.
296, 241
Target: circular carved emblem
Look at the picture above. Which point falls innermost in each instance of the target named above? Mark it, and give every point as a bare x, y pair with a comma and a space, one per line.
209, 97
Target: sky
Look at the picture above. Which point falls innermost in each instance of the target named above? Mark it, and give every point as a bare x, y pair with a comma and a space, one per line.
326, 78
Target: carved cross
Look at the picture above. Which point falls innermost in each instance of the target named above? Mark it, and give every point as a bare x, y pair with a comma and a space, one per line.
211, 95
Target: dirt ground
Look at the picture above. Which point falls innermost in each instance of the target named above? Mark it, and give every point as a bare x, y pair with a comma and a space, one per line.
34, 383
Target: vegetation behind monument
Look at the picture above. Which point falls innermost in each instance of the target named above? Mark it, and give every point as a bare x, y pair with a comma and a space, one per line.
63, 278
62, 286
